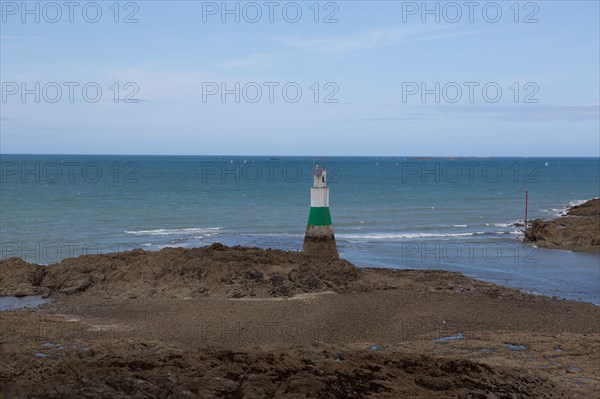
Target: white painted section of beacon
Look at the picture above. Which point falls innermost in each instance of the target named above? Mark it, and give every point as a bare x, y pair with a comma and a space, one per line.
319, 177
319, 197
319, 193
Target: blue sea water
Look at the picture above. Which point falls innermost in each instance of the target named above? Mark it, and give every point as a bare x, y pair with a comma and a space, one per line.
401, 212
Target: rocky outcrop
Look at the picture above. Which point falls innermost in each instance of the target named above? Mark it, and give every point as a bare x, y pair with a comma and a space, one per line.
215, 270
152, 371
579, 230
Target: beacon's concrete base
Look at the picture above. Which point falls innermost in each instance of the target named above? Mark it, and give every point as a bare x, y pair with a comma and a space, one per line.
319, 241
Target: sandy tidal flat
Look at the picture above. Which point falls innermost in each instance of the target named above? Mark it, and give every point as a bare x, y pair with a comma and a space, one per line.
235, 322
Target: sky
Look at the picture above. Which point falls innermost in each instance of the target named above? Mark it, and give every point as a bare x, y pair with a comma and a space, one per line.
372, 78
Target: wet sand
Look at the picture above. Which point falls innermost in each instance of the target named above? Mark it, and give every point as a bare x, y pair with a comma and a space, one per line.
376, 333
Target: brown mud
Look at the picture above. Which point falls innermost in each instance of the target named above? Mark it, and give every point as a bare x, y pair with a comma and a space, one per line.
220, 322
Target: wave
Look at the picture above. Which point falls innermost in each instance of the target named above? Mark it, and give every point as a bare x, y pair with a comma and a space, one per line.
514, 232
510, 225
408, 235
554, 212
579, 202
558, 212
169, 232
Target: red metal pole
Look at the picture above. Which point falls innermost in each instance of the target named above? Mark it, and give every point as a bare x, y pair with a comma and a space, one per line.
526, 206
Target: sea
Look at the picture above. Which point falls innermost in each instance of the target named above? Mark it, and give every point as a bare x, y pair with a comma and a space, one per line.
457, 214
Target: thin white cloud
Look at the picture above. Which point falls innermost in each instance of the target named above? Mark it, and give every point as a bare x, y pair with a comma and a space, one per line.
255, 59
156, 83
389, 36
375, 38
18, 37
522, 112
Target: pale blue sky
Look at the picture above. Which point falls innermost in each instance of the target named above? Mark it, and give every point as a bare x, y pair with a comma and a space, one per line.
371, 55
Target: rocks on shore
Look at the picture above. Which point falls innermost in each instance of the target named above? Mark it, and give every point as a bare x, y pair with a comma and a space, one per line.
96, 342
218, 271
579, 230
324, 371
215, 270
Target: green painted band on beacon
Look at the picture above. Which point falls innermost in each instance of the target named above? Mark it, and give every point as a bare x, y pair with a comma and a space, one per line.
319, 216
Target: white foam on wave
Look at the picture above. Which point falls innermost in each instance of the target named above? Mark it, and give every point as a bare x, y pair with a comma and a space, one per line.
172, 245
459, 225
563, 211
514, 232
555, 212
578, 202
510, 225
381, 236
270, 234
169, 232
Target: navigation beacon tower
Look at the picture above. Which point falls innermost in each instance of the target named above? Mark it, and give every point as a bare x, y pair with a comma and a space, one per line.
319, 240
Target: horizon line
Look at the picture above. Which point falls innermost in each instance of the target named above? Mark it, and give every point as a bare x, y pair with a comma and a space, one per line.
307, 155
